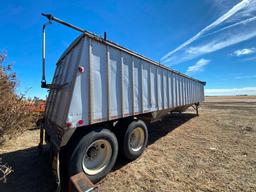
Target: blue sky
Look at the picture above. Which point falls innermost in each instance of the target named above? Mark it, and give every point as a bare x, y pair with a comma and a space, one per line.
212, 40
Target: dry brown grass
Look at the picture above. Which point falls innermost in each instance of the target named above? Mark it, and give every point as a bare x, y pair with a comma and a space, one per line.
212, 152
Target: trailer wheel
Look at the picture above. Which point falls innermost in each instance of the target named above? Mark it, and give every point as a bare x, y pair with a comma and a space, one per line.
95, 154
135, 139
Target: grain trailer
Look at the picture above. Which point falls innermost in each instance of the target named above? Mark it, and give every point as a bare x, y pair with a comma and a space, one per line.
102, 98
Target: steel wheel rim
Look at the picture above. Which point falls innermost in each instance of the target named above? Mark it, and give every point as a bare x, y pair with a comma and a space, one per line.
136, 139
97, 157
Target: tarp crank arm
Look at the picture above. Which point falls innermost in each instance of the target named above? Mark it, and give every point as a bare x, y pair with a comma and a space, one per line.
43, 82
52, 18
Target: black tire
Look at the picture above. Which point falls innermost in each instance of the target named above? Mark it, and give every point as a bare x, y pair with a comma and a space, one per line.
75, 164
124, 139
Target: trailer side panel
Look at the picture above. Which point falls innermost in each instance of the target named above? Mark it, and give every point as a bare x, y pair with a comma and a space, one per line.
134, 84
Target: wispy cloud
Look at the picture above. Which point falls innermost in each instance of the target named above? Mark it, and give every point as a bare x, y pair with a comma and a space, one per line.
250, 59
246, 51
245, 77
235, 26
232, 91
198, 67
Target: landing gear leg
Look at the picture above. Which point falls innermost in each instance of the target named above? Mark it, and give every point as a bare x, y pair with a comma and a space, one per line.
196, 108
40, 145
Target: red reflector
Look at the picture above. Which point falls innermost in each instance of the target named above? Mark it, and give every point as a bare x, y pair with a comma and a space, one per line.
80, 122
69, 124
81, 69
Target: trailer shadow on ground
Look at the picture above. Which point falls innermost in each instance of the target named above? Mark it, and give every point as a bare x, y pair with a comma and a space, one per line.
32, 172
160, 129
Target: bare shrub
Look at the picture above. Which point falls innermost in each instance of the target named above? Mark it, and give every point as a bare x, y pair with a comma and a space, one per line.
5, 170
14, 115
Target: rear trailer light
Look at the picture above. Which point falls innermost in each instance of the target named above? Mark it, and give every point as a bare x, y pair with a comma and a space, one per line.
81, 122
80, 69
69, 124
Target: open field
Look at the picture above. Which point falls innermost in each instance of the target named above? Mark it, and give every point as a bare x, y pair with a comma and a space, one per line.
213, 152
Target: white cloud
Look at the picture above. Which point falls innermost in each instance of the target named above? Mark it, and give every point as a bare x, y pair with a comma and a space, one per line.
235, 26
250, 59
245, 51
222, 5
246, 77
198, 66
232, 91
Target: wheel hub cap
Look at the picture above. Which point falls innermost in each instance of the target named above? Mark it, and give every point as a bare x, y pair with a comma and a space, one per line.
97, 157
137, 138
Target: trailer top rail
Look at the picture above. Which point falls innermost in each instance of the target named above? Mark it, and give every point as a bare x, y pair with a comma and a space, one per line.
107, 42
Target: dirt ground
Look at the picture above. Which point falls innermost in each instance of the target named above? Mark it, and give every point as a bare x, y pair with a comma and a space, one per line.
213, 152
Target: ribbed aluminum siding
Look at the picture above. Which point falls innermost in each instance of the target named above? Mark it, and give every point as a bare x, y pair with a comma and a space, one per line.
116, 84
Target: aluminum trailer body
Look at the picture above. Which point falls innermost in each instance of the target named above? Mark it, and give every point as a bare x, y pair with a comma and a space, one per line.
97, 82
100, 84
